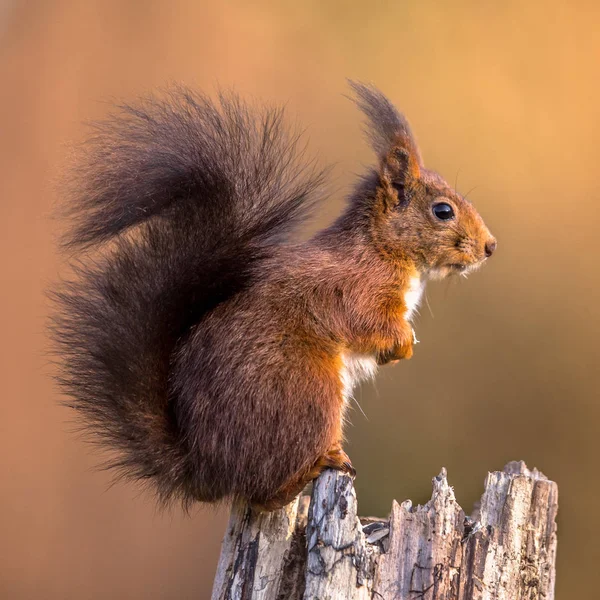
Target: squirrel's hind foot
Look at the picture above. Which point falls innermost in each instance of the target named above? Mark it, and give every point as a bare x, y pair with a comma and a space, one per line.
335, 458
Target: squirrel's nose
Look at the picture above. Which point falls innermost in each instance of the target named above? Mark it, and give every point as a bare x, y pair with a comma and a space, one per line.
490, 246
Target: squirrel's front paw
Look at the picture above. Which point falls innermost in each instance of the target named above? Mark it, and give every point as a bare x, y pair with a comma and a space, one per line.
401, 350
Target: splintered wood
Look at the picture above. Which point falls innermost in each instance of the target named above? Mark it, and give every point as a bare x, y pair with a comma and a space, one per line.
317, 548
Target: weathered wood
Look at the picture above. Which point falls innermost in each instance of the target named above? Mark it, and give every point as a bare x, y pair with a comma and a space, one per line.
505, 550
263, 555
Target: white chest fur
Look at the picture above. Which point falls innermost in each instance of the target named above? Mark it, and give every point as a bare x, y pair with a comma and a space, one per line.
412, 296
355, 368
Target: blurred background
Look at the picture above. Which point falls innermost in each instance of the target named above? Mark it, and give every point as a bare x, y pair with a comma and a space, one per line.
505, 100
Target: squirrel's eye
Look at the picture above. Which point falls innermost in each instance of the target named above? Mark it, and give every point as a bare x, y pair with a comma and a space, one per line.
443, 211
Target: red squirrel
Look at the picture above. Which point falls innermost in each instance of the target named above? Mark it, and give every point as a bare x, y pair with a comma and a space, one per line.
210, 351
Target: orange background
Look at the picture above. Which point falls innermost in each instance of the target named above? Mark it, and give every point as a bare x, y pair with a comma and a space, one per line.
504, 97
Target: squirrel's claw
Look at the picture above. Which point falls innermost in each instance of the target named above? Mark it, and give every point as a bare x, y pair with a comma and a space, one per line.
349, 469
337, 459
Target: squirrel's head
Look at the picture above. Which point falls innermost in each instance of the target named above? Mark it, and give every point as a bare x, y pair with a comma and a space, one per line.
413, 212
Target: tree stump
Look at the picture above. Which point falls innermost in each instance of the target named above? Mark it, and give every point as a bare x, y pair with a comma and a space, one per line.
317, 548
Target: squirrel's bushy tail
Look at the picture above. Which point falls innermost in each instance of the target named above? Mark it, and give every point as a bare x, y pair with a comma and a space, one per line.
191, 194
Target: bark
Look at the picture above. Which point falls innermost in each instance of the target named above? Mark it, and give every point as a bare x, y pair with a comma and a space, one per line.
318, 549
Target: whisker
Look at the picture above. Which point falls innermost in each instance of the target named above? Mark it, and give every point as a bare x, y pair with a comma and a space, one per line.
359, 407
471, 190
429, 305
456, 178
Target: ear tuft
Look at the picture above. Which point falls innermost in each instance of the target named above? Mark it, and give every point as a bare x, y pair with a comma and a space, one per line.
388, 129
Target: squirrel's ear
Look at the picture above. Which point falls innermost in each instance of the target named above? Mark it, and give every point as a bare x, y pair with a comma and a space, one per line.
398, 171
390, 135
400, 166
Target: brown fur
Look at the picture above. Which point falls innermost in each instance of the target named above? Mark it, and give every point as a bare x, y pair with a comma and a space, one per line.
256, 390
